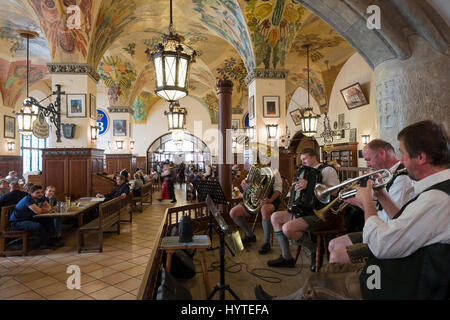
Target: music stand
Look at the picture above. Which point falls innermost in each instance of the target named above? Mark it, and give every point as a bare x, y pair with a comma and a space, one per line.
216, 196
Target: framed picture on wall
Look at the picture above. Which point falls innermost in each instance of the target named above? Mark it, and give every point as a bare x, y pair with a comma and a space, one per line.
9, 126
352, 137
341, 120
76, 105
296, 116
235, 124
92, 107
119, 127
354, 96
251, 107
271, 106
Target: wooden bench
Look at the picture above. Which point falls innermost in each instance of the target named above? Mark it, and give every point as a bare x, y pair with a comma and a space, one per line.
109, 215
146, 192
7, 233
125, 207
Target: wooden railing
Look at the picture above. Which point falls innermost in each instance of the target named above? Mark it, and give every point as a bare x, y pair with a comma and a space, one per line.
199, 213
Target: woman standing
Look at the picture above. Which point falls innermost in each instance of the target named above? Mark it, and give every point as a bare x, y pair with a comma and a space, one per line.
165, 175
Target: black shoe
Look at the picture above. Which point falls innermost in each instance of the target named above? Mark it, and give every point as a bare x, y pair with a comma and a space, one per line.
265, 248
313, 261
159, 200
260, 294
281, 262
247, 239
173, 201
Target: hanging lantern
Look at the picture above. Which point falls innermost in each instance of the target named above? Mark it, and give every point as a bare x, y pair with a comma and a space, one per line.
26, 117
171, 65
176, 116
119, 144
272, 131
309, 119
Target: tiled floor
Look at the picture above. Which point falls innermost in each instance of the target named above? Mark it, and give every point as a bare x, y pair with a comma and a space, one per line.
116, 273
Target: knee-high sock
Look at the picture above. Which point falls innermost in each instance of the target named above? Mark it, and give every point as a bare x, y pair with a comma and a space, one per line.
267, 227
240, 221
284, 244
307, 242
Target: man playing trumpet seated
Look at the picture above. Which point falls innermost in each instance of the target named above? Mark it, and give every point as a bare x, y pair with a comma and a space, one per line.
378, 154
409, 254
295, 225
268, 205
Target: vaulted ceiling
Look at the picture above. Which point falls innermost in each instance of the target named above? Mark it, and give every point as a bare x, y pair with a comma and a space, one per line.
231, 36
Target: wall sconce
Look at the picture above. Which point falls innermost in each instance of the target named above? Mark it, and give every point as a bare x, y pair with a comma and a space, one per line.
234, 144
132, 145
272, 131
119, 144
94, 132
109, 145
11, 145
365, 138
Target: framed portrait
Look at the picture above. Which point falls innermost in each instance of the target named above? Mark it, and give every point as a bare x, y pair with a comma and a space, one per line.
76, 105
341, 120
9, 126
347, 126
235, 124
119, 127
354, 96
352, 136
296, 116
251, 107
271, 107
92, 106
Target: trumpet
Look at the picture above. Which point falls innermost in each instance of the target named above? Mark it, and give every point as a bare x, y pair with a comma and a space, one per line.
321, 214
323, 194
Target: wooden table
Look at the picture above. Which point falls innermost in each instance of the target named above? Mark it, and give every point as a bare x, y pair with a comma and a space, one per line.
85, 205
201, 242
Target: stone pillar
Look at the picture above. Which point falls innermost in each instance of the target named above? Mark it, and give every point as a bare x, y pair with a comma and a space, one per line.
412, 90
272, 84
122, 114
77, 81
224, 92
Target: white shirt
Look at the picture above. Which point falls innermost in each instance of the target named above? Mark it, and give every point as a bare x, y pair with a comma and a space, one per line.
400, 192
329, 176
424, 222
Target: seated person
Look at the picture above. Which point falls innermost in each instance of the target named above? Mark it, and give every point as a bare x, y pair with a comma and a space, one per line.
50, 197
27, 187
411, 251
120, 190
13, 196
153, 175
22, 218
268, 205
4, 187
12, 176
124, 173
136, 185
297, 224
378, 154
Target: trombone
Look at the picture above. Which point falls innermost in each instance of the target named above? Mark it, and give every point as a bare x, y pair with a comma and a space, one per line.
323, 194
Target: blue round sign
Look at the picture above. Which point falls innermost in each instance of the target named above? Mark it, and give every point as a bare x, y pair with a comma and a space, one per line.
102, 121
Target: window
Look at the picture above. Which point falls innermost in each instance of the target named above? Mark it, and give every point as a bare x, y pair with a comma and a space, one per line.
31, 152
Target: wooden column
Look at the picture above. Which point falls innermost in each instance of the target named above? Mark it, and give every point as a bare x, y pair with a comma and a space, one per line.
224, 92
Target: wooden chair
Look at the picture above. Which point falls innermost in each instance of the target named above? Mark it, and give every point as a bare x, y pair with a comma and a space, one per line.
7, 233
338, 229
189, 189
146, 192
109, 215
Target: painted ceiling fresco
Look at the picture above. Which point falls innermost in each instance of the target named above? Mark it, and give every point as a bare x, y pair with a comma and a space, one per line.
231, 36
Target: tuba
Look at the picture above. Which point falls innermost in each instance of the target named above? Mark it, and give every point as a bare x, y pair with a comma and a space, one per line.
259, 185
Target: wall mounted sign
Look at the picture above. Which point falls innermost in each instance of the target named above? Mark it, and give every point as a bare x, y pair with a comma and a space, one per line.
40, 126
102, 122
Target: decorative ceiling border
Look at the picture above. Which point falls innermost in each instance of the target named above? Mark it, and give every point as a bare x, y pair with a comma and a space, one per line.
260, 73
120, 109
73, 68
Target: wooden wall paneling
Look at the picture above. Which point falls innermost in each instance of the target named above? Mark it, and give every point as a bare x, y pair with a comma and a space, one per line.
79, 183
141, 163
11, 163
54, 173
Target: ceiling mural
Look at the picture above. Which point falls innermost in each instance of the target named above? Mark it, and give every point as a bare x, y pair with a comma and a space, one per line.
273, 25
231, 37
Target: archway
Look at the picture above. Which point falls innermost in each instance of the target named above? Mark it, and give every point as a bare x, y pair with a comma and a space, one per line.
188, 149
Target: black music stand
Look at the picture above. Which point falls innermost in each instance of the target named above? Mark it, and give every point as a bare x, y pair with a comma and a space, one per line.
215, 196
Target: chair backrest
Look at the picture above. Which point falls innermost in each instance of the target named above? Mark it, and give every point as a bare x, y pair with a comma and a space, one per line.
146, 188
5, 214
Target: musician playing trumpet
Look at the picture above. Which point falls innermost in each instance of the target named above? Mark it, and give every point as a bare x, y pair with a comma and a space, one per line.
378, 154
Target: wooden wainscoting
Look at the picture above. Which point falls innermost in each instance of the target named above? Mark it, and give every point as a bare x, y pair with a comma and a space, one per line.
118, 162
11, 163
